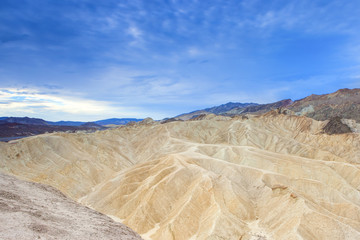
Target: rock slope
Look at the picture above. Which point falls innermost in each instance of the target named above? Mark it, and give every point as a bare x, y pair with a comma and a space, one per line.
36, 211
344, 103
273, 176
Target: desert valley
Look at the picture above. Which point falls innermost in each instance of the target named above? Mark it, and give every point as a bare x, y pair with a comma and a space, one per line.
285, 172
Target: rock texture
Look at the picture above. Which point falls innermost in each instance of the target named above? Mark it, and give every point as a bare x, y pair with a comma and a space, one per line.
259, 109
273, 176
36, 211
336, 126
221, 109
344, 103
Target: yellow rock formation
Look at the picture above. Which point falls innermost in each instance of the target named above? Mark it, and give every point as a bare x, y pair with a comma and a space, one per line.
268, 177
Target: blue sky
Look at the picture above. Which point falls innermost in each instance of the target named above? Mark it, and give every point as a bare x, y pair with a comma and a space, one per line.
90, 60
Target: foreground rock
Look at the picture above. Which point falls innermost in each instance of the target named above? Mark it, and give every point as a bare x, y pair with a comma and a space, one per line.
36, 211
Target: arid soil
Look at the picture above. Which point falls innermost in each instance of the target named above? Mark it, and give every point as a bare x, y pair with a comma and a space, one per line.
36, 211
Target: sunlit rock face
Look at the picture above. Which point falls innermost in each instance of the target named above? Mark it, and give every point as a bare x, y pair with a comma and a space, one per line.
269, 177
36, 211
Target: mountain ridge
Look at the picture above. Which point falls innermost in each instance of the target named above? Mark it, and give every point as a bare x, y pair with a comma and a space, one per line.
344, 103
39, 121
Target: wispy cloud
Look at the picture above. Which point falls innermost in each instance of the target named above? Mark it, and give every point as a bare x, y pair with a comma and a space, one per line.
136, 34
133, 87
141, 58
20, 102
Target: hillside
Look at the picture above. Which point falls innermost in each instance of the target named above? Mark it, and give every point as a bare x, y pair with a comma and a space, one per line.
221, 109
260, 108
273, 176
36, 211
23, 120
344, 103
10, 131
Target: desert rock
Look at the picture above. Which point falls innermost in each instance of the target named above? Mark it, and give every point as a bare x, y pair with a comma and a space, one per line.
274, 176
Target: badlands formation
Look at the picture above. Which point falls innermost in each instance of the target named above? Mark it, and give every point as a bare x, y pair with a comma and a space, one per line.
36, 211
266, 177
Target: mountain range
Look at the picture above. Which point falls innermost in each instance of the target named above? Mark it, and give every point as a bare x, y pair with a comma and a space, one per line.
344, 103
18, 127
38, 121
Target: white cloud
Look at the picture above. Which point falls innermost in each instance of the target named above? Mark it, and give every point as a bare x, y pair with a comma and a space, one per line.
134, 32
136, 87
194, 52
32, 102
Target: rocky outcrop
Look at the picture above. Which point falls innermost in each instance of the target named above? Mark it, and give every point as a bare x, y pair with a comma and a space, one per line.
336, 126
344, 103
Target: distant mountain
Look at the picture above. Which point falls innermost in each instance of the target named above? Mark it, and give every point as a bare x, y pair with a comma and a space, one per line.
221, 109
24, 120
117, 121
66, 123
10, 130
344, 103
93, 125
260, 108
16, 127
228, 106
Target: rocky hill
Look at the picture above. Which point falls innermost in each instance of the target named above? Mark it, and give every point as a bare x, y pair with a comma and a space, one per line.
23, 120
344, 103
17, 130
36, 211
273, 176
221, 109
260, 108
17, 127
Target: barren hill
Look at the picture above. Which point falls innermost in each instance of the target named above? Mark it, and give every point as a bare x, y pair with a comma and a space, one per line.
344, 103
267, 177
36, 211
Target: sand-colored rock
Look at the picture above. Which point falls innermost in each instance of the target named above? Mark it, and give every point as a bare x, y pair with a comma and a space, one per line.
269, 177
36, 211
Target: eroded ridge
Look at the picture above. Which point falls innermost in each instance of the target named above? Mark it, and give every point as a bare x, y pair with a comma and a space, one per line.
267, 177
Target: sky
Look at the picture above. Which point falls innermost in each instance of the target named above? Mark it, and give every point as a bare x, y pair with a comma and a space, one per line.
88, 60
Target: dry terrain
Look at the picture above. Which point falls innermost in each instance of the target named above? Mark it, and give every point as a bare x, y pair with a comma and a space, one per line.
344, 103
36, 211
266, 177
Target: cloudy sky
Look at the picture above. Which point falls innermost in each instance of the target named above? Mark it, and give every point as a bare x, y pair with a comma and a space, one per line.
90, 60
